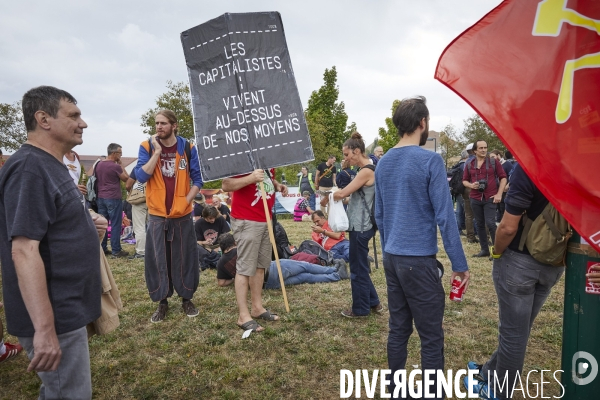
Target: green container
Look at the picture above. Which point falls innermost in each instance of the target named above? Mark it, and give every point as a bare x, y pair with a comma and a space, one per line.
581, 327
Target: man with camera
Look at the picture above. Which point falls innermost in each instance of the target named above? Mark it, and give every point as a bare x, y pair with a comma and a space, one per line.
486, 179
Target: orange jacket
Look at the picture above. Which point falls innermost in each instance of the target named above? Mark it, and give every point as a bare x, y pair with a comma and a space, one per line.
155, 187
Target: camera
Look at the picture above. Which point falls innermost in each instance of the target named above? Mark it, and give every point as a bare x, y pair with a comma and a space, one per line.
482, 185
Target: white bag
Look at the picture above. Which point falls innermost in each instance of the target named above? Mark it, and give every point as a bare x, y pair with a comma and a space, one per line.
338, 220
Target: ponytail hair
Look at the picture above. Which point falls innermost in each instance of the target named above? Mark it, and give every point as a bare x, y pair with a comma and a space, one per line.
355, 142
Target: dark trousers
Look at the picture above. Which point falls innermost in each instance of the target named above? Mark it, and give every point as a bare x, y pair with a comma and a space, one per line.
415, 294
485, 216
364, 295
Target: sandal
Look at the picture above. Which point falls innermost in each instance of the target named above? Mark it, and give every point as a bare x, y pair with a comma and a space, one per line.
267, 316
252, 325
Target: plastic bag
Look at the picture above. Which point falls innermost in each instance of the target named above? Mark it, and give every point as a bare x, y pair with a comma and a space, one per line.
338, 219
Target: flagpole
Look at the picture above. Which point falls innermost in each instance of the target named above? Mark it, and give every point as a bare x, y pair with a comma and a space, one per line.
273, 244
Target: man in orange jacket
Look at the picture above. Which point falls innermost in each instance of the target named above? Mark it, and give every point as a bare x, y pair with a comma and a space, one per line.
168, 163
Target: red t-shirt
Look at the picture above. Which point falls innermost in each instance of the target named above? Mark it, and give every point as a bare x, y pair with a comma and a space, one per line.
246, 203
167, 167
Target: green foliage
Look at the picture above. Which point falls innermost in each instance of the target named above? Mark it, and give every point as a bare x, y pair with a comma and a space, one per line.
12, 126
451, 144
326, 118
388, 136
177, 99
476, 129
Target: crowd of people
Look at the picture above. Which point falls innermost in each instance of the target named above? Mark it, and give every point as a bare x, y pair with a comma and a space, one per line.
50, 257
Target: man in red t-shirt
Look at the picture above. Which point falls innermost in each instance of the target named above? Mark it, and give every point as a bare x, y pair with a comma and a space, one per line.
250, 230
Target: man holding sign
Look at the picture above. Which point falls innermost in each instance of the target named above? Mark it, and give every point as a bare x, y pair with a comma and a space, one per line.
251, 233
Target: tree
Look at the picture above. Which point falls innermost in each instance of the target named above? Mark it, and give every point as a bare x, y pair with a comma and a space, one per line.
476, 129
176, 99
451, 144
388, 136
12, 126
328, 117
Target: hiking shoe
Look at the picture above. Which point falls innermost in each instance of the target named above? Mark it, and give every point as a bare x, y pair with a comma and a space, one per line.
160, 313
189, 309
11, 351
121, 254
479, 386
350, 314
343, 270
136, 255
378, 309
107, 252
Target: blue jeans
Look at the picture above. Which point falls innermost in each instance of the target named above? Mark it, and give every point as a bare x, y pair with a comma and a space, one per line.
297, 272
341, 250
112, 210
415, 293
311, 201
522, 285
364, 295
73, 378
460, 212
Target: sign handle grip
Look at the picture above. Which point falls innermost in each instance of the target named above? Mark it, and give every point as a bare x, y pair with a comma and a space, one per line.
273, 244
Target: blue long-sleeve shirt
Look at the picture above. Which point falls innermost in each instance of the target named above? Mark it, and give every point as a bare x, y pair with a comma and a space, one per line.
411, 200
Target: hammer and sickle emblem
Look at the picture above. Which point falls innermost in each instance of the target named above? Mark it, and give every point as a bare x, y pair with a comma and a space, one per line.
549, 19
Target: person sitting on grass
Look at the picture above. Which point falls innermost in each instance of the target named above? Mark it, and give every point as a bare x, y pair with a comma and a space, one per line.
331, 241
302, 209
208, 229
294, 272
221, 208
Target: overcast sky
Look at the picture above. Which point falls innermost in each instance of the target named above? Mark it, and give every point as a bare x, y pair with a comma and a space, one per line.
115, 57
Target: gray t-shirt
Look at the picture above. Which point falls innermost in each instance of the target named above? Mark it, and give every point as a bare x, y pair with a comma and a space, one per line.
40, 201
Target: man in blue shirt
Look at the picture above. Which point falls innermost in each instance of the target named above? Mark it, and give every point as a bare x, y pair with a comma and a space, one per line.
411, 201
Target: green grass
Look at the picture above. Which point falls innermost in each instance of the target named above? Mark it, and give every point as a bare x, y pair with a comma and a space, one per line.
298, 357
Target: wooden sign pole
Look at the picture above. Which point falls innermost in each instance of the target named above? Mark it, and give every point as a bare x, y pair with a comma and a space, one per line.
273, 244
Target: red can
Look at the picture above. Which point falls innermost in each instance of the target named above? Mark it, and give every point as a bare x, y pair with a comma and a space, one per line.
457, 292
591, 288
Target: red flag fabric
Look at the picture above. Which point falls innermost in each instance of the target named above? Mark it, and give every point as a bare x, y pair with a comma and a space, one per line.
531, 69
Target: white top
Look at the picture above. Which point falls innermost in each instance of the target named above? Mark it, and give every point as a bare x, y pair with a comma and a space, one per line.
74, 168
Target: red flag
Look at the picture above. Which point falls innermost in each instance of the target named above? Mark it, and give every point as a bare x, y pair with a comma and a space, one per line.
531, 69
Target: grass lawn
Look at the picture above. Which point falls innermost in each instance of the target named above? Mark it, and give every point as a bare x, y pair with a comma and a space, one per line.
298, 357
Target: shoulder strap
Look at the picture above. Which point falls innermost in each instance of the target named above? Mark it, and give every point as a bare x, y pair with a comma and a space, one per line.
555, 231
370, 166
76, 156
188, 153
527, 222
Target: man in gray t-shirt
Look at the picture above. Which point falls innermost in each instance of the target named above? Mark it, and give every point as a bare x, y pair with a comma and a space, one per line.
49, 248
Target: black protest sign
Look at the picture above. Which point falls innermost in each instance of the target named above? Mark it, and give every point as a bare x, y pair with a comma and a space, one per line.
246, 106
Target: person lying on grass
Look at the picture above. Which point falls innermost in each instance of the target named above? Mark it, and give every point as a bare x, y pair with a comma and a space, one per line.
294, 272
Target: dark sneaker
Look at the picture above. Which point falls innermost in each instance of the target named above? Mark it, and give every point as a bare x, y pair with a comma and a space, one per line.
121, 254
11, 351
350, 314
189, 309
160, 313
136, 255
343, 269
378, 309
107, 252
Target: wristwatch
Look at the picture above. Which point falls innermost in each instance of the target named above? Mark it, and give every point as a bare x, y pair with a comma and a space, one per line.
494, 255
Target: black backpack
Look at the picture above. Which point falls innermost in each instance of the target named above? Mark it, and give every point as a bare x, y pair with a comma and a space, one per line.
312, 247
284, 249
456, 180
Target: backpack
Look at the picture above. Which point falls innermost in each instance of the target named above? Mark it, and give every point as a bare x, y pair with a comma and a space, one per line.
547, 236
456, 180
92, 187
284, 249
312, 247
362, 196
